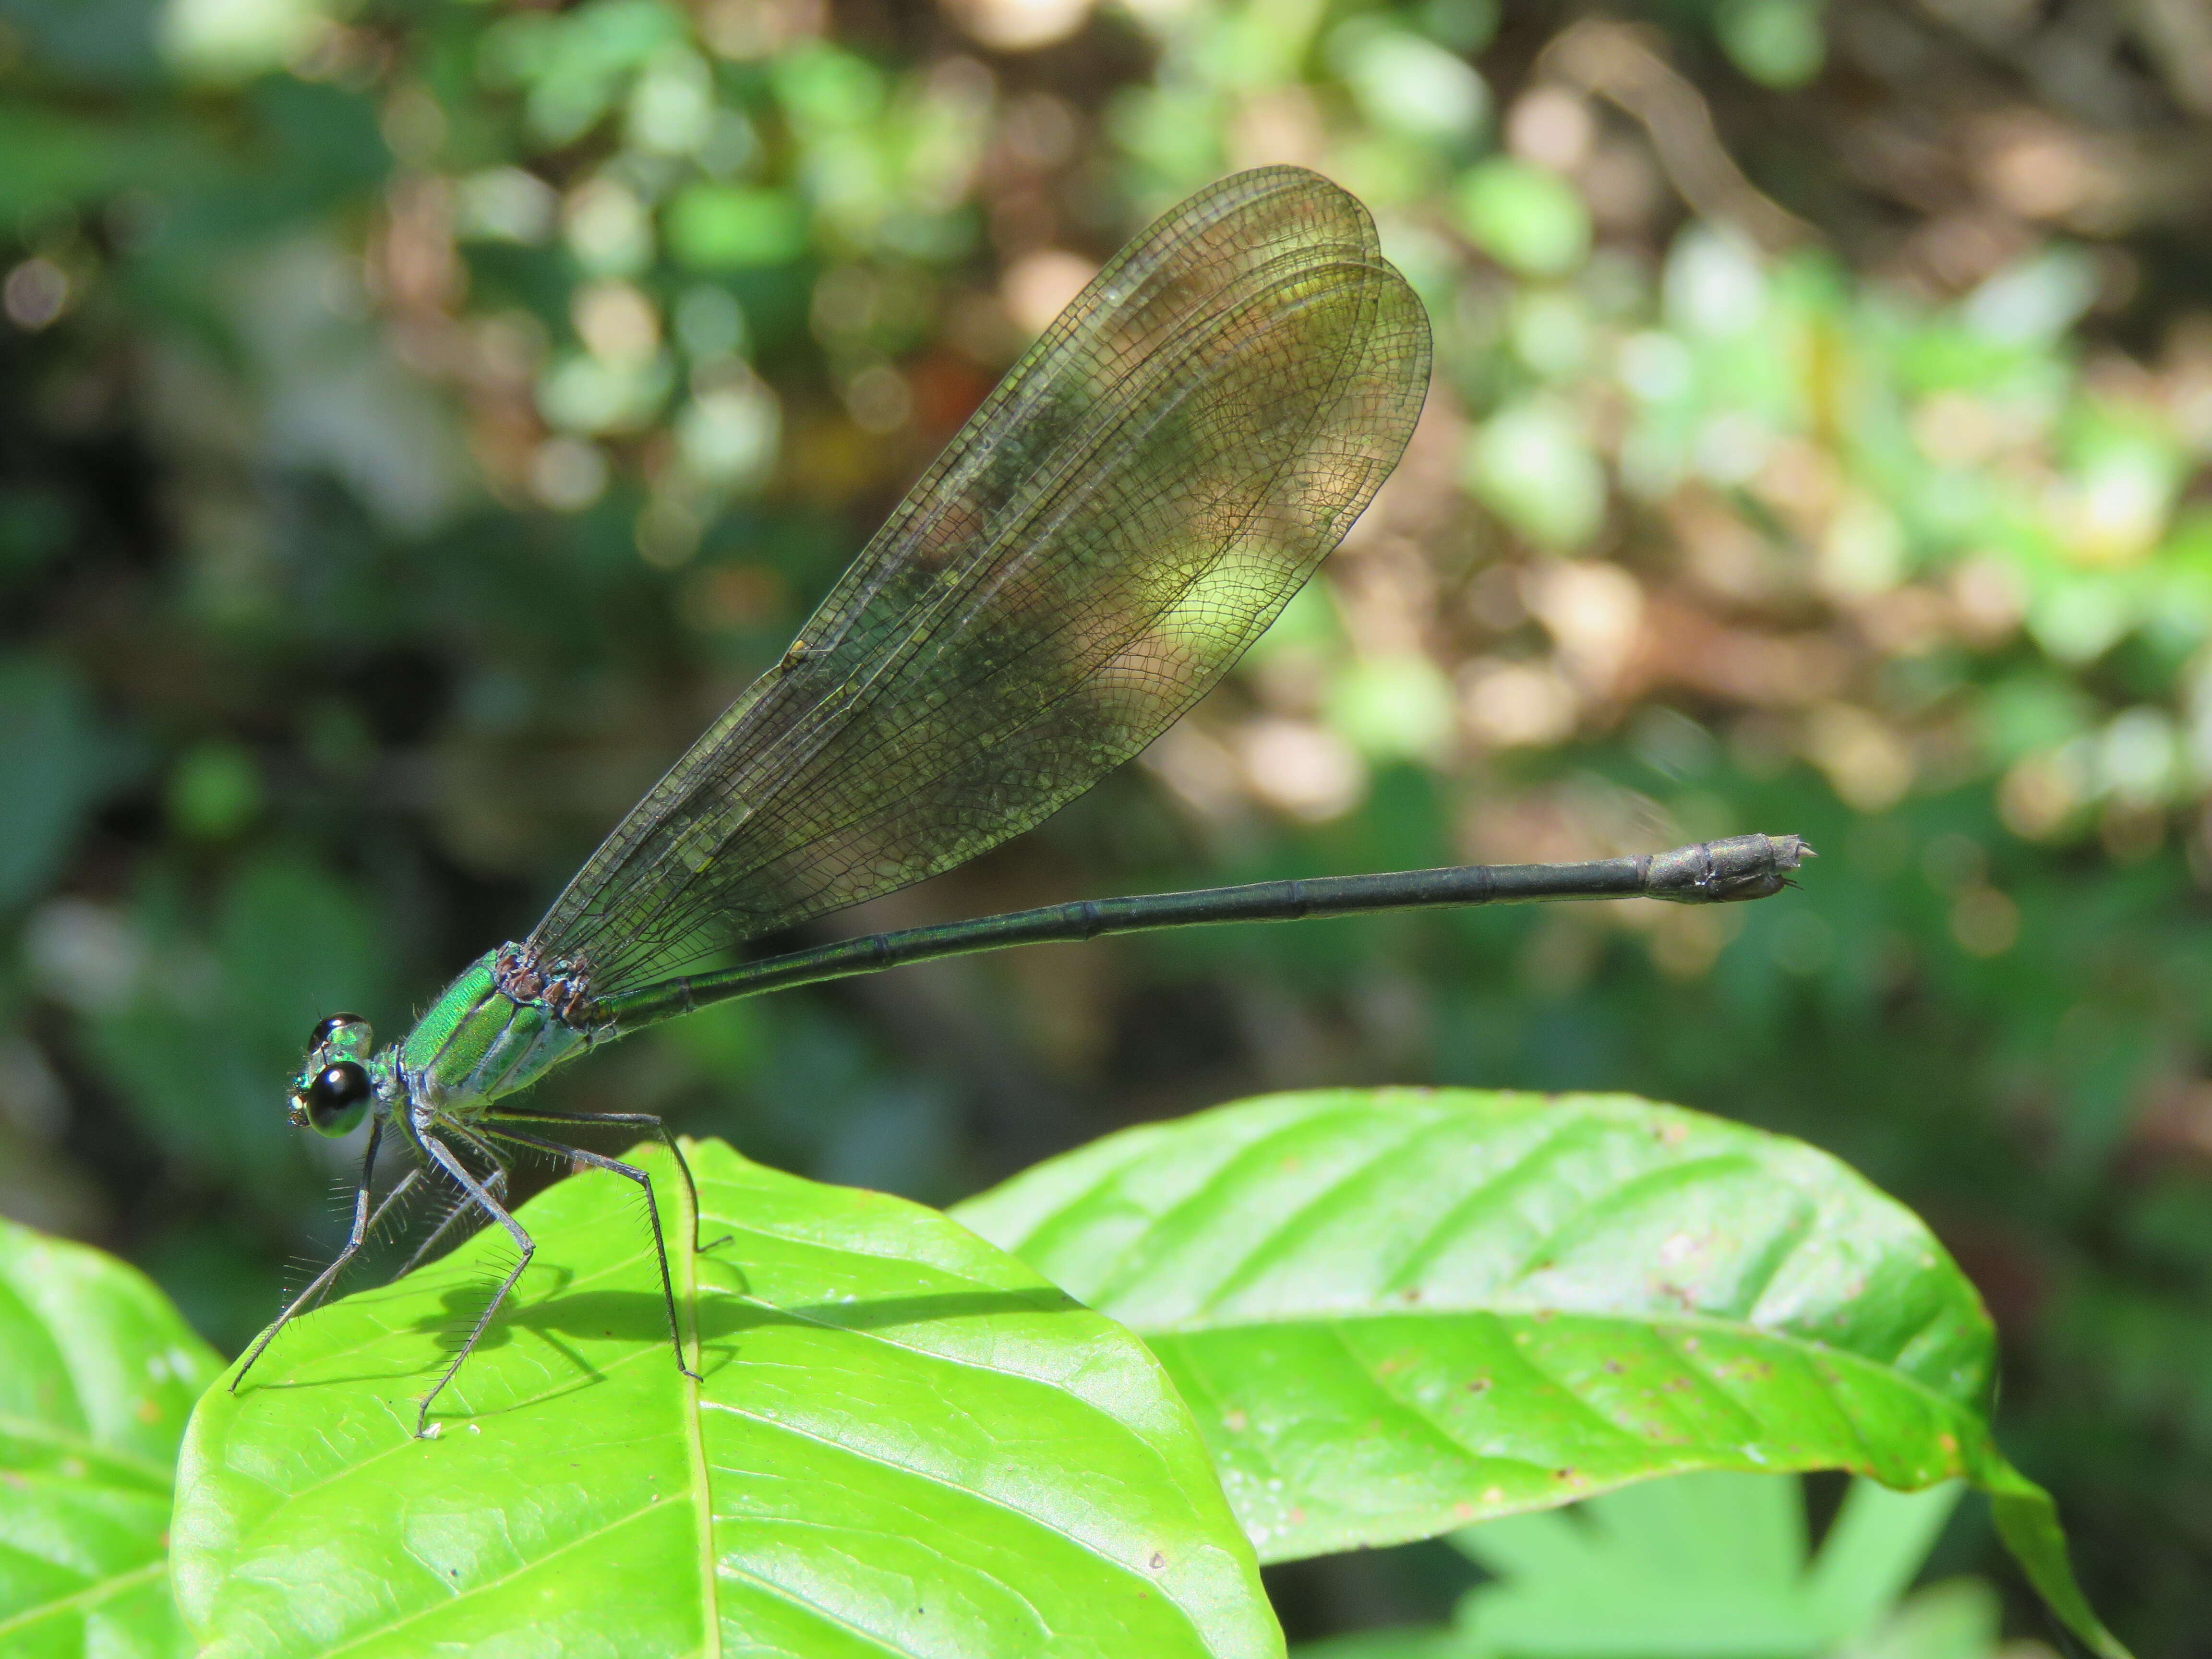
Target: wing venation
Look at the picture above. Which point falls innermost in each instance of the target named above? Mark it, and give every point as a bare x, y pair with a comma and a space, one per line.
1122, 517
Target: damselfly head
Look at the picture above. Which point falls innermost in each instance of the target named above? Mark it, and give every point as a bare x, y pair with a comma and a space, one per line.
333, 1088
343, 1035
335, 1100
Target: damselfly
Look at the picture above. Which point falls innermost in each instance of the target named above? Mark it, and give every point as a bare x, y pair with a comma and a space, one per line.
1127, 512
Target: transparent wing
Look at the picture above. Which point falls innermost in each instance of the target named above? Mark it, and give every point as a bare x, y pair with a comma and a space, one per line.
1123, 516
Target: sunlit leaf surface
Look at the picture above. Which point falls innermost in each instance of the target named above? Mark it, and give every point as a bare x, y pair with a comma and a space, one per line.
97, 1375
905, 1443
1398, 1311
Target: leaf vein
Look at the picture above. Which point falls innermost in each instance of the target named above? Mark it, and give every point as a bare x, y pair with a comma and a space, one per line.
91, 1596
878, 1459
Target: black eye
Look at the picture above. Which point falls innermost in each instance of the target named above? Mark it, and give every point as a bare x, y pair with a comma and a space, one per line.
324, 1030
337, 1098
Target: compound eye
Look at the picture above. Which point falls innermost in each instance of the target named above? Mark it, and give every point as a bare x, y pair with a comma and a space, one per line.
337, 1098
330, 1027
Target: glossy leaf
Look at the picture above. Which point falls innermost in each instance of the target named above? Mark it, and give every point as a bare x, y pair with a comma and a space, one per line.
1395, 1312
905, 1443
98, 1374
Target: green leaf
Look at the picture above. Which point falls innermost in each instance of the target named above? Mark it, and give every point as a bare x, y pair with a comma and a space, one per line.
722, 227
1700, 1566
1778, 42
1405, 84
1703, 1566
1956, 1619
1870, 1555
1532, 466
1398, 1311
62, 158
59, 761
97, 1375
1528, 219
1407, 1643
905, 1443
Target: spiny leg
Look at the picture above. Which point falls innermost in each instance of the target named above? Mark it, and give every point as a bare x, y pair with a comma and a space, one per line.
494, 1183
400, 1188
477, 1190
497, 1126
364, 1219
635, 1120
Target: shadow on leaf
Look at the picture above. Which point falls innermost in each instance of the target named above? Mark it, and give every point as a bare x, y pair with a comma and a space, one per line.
641, 1315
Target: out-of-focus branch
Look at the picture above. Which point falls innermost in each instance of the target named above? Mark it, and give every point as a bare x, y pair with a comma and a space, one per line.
2177, 37
1620, 62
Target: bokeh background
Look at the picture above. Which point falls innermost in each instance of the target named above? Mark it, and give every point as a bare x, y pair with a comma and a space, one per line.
420, 417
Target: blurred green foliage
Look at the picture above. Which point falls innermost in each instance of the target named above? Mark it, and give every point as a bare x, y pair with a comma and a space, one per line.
425, 416
1703, 1567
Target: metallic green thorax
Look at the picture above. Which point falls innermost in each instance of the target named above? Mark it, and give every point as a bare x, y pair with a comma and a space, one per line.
478, 1043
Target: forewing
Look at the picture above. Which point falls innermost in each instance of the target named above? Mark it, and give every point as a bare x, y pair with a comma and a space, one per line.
1123, 516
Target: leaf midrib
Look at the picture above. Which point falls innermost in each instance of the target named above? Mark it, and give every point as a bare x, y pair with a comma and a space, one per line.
694, 1442
160, 1477
297, 1494
710, 1562
91, 1596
